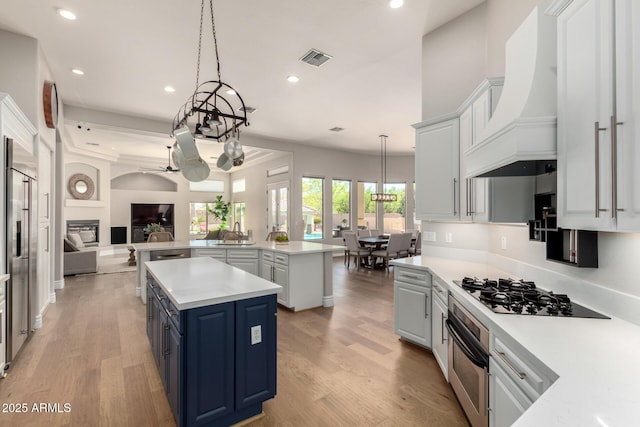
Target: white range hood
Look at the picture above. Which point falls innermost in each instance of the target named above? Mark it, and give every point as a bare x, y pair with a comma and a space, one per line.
520, 138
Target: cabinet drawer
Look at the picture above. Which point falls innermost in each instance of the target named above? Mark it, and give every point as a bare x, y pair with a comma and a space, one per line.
212, 253
281, 258
268, 256
242, 253
440, 290
416, 277
531, 381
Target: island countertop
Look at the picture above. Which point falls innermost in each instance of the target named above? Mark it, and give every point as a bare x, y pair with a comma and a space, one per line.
291, 247
198, 282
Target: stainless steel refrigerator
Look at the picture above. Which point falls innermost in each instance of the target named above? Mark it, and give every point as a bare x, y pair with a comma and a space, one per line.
21, 228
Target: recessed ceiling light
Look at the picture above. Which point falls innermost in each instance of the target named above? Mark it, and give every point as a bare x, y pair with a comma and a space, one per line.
67, 14
231, 92
293, 79
394, 4
77, 71
169, 89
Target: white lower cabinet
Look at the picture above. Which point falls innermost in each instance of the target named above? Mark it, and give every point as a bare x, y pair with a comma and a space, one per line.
438, 329
247, 260
506, 399
516, 381
300, 275
412, 305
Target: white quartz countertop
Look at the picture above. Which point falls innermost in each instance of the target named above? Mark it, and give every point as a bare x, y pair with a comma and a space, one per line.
199, 282
597, 360
292, 247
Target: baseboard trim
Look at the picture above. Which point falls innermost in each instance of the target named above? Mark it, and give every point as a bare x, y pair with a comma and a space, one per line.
38, 322
327, 301
52, 298
58, 284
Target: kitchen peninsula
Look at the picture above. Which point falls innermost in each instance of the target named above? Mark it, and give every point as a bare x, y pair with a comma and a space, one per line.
212, 330
303, 269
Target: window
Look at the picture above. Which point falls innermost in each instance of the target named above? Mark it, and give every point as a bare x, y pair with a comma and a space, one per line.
416, 223
395, 212
209, 186
238, 214
238, 185
312, 207
366, 207
202, 221
341, 205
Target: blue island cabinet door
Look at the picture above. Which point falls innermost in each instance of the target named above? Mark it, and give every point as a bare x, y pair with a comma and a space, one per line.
255, 350
209, 364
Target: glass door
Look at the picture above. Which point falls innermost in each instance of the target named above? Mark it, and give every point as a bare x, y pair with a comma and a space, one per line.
278, 207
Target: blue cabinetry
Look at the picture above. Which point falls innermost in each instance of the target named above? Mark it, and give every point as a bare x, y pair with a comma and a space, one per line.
218, 362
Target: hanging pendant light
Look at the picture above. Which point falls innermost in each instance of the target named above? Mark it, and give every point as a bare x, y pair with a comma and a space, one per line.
221, 105
382, 196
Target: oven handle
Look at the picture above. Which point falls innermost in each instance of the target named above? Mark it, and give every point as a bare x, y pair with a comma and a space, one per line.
479, 362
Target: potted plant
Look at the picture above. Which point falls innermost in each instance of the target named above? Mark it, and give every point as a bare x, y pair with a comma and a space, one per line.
153, 227
221, 211
282, 240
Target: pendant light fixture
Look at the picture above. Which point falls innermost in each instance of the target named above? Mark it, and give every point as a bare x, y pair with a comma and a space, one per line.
382, 196
220, 106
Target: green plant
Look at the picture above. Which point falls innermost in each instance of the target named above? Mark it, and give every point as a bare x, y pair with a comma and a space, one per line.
151, 228
221, 211
282, 238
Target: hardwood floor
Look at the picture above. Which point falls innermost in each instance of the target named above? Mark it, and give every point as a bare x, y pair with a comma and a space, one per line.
336, 366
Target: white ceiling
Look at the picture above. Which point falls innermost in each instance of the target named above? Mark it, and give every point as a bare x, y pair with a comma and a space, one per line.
130, 50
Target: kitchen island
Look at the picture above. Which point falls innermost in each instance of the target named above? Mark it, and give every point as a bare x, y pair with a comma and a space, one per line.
212, 330
592, 363
303, 269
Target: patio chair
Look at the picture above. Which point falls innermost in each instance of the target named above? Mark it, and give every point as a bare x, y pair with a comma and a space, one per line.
354, 249
398, 247
416, 249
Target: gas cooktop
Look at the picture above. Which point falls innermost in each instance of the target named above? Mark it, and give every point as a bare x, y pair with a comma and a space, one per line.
511, 296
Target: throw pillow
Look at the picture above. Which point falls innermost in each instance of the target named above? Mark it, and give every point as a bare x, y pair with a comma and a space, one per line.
76, 240
88, 236
69, 247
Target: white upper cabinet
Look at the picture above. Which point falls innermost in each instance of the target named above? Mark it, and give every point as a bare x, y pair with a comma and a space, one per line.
598, 96
437, 169
475, 113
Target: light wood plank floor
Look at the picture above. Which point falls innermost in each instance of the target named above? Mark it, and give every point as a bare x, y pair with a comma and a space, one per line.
336, 366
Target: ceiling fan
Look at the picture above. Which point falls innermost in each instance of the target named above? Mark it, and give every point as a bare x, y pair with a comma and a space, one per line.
168, 169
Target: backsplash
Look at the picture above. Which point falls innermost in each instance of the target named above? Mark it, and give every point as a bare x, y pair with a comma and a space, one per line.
618, 257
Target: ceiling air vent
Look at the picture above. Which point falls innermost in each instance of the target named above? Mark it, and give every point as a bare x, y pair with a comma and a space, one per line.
247, 109
315, 57
336, 129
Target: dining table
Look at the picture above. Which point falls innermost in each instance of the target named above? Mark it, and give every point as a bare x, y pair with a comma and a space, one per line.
374, 242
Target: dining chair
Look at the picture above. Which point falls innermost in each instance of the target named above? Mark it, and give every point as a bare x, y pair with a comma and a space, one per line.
416, 249
397, 247
363, 232
354, 249
374, 233
160, 236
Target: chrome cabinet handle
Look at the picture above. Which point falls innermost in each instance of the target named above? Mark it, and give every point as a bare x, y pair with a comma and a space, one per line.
597, 130
411, 276
150, 315
442, 329
521, 375
614, 166
162, 339
454, 196
426, 306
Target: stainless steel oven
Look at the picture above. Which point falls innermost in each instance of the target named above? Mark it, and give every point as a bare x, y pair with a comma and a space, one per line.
469, 363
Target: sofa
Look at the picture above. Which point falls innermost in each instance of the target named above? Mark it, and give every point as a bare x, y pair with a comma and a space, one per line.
79, 260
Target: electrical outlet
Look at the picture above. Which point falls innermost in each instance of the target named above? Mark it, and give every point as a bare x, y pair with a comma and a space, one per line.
256, 334
503, 243
448, 237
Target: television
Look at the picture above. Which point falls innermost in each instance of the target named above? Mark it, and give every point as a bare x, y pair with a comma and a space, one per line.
147, 213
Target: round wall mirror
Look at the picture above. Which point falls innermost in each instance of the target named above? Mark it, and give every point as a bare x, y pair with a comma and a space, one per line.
81, 186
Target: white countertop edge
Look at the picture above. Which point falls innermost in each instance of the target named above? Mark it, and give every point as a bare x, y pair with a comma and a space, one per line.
596, 384
292, 248
4, 277
265, 287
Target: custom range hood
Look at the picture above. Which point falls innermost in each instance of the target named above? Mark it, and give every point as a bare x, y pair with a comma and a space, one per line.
520, 137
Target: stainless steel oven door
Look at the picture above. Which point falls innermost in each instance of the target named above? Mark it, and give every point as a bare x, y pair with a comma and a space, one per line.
469, 376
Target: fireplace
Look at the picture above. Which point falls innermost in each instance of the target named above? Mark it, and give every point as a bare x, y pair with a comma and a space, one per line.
88, 229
